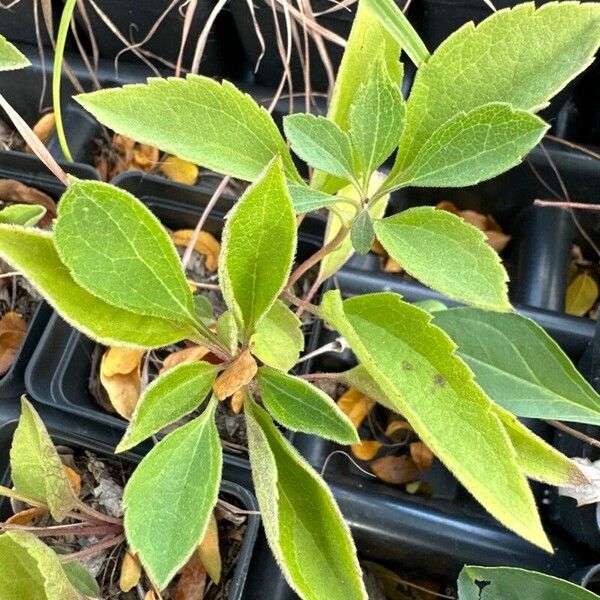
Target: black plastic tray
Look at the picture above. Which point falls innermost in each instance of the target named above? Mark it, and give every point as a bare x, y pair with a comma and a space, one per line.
17, 23
27, 169
59, 370
72, 435
221, 54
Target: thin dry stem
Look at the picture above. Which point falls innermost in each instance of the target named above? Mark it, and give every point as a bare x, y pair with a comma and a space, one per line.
574, 433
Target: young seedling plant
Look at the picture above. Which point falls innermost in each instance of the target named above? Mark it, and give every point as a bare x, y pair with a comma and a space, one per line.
460, 376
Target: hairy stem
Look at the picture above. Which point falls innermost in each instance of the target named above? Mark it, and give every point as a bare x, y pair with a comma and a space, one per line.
93, 550
61, 38
311, 261
81, 529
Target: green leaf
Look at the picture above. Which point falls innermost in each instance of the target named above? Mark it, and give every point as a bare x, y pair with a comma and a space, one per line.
303, 525
321, 143
169, 499
33, 253
278, 339
431, 305
414, 365
22, 214
368, 41
337, 259
36, 467
30, 570
203, 309
10, 57
504, 583
300, 406
472, 147
536, 458
306, 199
446, 254
376, 119
170, 397
258, 247
521, 56
520, 366
197, 119
227, 331
362, 233
81, 579
117, 250
392, 18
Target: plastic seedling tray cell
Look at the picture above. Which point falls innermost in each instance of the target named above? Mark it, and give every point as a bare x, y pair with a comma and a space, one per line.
17, 23
232, 492
59, 372
28, 170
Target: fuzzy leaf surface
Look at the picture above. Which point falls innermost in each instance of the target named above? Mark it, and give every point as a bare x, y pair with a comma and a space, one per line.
117, 250
538, 459
415, 366
304, 527
520, 366
30, 569
362, 233
321, 143
169, 499
22, 214
278, 339
507, 582
10, 57
376, 119
36, 468
336, 259
216, 125
81, 579
472, 147
521, 56
258, 247
33, 253
447, 254
171, 396
306, 199
300, 406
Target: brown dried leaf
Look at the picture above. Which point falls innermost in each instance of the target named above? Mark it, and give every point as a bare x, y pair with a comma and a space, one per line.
355, 405
192, 582
186, 355
180, 170
237, 401
365, 450
582, 294
144, 157
25, 517
422, 456
123, 389
395, 469
12, 332
121, 361
378, 249
398, 430
497, 240
131, 571
474, 218
391, 266
206, 244
44, 128
74, 479
239, 373
150, 595
447, 206
208, 551
19, 193
123, 144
